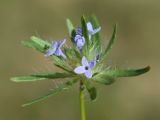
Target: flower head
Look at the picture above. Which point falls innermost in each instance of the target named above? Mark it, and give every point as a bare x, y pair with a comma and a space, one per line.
79, 41
56, 49
92, 50
86, 68
92, 31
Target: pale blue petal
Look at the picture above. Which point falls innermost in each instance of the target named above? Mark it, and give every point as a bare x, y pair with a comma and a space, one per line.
54, 44
92, 64
79, 41
80, 70
79, 31
50, 52
89, 26
88, 73
96, 30
59, 52
61, 42
84, 61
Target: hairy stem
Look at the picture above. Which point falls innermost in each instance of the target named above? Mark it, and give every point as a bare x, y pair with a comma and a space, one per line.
82, 104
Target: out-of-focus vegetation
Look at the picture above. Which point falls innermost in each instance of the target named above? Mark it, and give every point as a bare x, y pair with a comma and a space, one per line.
136, 98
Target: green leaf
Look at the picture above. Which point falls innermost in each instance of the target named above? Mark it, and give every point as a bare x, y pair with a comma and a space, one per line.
91, 89
72, 53
27, 78
41, 76
71, 30
52, 75
104, 79
97, 36
70, 27
37, 44
108, 76
61, 64
53, 92
111, 42
85, 33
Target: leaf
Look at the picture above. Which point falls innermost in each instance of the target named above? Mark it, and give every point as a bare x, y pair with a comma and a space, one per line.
70, 27
71, 30
52, 75
61, 64
53, 92
108, 76
27, 79
104, 79
40, 76
37, 44
72, 53
84, 30
97, 36
92, 90
110, 44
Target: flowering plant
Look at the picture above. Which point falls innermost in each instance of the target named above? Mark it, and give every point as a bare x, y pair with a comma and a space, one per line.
83, 62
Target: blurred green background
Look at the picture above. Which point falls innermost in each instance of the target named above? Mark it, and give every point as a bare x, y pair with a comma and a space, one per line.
138, 45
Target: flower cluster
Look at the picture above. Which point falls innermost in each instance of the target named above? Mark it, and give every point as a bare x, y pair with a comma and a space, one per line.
79, 41
84, 61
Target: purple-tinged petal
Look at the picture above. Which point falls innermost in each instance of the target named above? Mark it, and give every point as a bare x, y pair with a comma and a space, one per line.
50, 52
89, 26
80, 70
84, 61
54, 45
59, 52
79, 31
61, 42
96, 30
79, 41
88, 73
92, 64
63, 55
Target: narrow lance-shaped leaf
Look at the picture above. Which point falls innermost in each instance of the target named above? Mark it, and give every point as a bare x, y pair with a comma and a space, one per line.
108, 76
53, 92
85, 34
91, 90
71, 30
27, 79
70, 27
84, 29
61, 64
97, 36
41, 76
110, 44
37, 44
53, 75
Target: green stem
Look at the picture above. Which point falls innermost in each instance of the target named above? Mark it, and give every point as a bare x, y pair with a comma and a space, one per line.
82, 104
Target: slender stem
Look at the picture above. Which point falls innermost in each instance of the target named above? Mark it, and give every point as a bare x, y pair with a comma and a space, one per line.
82, 104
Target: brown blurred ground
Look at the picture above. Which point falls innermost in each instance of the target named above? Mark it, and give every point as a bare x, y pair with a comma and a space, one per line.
138, 45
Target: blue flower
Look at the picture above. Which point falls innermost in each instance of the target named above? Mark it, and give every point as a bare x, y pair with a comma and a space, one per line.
56, 49
79, 31
92, 31
79, 41
86, 68
79, 38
